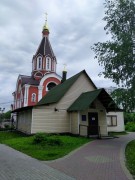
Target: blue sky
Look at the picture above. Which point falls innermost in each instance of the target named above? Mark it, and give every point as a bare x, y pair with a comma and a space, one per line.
74, 27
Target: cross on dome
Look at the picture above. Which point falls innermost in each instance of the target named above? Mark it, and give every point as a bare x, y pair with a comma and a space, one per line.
46, 17
45, 27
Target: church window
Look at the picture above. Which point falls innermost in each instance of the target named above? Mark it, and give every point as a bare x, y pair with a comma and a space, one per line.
50, 86
33, 65
48, 63
39, 62
33, 97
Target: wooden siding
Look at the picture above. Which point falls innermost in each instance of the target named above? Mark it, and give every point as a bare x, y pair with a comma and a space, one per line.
24, 121
81, 85
83, 124
83, 131
74, 123
45, 119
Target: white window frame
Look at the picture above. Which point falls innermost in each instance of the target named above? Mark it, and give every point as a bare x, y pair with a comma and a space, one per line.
48, 63
54, 66
39, 62
33, 65
112, 119
33, 97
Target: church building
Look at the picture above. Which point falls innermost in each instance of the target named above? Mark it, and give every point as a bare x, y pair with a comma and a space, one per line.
30, 89
47, 102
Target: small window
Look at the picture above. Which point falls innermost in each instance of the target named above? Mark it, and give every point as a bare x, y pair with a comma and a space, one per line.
112, 120
39, 62
33, 65
54, 66
48, 63
33, 97
83, 117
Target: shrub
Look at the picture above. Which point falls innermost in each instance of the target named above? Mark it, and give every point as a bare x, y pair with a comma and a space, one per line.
130, 126
129, 117
6, 126
39, 138
47, 139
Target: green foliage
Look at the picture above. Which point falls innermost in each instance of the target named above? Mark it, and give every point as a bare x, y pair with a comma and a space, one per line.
124, 98
6, 126
54, 141
39, 138
117, 55
45, 139
42, 151
130, 157
7, 115
129, 117
130, 126
9, 135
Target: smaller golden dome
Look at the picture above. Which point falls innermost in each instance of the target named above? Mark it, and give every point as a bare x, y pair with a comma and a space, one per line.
45, 27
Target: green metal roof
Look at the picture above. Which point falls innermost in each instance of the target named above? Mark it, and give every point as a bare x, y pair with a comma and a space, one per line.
55, 94
84, 101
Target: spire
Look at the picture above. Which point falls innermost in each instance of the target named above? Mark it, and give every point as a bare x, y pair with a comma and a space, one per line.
45, 27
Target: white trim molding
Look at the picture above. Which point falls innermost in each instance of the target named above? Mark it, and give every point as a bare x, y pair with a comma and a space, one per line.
40, 88
46, 76
26, 94
39, 62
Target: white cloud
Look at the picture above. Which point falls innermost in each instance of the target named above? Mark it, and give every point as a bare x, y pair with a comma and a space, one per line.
74, 27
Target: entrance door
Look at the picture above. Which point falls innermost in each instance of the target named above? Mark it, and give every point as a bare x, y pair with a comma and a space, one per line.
93, 123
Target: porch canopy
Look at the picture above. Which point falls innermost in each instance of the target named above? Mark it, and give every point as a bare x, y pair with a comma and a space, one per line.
85, 100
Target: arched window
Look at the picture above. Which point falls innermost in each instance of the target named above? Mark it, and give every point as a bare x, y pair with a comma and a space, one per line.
39, 62
48, 63
50, 86
33, 65
54, 66
33, 97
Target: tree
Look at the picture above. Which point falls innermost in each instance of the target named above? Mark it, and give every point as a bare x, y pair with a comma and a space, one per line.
117, 55
7, 115
123, 99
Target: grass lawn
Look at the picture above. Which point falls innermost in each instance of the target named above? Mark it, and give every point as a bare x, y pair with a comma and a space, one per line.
41, 151
130, 157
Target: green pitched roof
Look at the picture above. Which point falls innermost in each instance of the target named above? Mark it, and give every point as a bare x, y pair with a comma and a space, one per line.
55, 94
84, 101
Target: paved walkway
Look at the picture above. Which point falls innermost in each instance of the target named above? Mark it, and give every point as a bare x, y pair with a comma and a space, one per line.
98, 160
15, 165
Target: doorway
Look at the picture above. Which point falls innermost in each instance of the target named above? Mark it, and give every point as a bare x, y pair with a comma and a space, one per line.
93, 123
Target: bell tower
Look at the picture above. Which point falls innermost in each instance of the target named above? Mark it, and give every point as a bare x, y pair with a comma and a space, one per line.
44, 60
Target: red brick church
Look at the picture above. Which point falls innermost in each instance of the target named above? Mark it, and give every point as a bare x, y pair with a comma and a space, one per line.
30, 89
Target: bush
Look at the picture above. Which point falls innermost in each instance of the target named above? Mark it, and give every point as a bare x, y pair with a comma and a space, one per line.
130, 126
6, 126
39, 138
129, 117
47, 139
